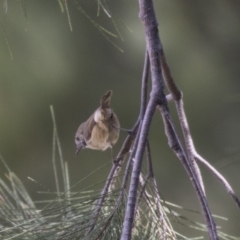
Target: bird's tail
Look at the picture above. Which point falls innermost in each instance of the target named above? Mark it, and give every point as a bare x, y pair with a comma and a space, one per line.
105, 100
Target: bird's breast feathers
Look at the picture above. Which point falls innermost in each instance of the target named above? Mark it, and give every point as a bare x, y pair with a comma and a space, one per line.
99, 138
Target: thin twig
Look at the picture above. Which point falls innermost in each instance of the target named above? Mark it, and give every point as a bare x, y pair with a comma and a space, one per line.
220, 177
111, 176
177, 97
123, 152
60, 156
141, 115
129, 164
144, 183
149, 160
143, 94
54, 161
160, 210
144, 86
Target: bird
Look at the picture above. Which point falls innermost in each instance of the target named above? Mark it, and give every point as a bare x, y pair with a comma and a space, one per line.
101, 130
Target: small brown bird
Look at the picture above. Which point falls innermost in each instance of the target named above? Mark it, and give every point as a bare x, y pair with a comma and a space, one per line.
101, 130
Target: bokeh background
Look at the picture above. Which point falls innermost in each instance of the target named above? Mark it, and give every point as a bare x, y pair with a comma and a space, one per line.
71, 70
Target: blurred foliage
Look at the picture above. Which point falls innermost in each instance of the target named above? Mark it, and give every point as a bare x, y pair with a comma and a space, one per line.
72, 69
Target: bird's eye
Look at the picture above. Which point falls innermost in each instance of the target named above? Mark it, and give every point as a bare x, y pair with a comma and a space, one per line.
77, 139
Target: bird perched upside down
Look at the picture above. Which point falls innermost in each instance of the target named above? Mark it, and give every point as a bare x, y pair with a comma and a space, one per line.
101, 130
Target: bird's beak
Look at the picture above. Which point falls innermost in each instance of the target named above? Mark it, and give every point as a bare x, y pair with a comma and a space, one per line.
78, 149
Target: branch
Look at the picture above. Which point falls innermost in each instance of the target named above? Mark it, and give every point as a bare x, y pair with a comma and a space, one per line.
177, 96
175, 144
142, 105
153, 45
157, 97
132, 195
128, 167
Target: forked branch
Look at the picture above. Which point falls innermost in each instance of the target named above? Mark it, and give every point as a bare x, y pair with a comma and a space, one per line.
177, 97
157, 97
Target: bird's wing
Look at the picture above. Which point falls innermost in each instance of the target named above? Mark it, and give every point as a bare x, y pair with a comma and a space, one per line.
90, 123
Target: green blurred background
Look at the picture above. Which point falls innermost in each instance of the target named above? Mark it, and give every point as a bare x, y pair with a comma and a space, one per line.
71, 70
